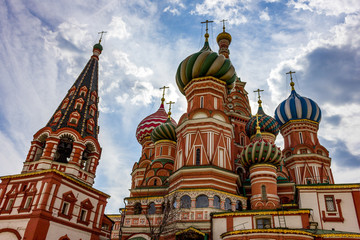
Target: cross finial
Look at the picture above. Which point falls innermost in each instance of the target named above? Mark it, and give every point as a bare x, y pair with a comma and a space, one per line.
291, 80
101, 35
207, 28
258, 91
163, 95
169, 113
223, 21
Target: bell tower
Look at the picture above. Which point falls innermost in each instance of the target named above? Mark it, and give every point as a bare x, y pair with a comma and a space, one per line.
53, 196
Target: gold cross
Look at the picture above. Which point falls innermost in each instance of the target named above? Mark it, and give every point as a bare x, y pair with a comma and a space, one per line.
291, 80
223, 21
171, 102
163, 95
207, 28
258, 91
101, 35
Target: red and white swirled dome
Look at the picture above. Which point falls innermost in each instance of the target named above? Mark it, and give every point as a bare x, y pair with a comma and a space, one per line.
148, 124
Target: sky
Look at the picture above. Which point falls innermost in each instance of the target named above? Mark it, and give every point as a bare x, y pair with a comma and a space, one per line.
44, 45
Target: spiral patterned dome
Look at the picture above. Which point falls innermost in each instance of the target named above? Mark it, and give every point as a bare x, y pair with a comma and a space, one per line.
165, 131
205, 63
260, 151
297, 107
267, 124
147, 125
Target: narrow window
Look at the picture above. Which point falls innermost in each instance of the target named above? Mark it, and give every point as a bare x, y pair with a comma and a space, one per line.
301, 138
201, 102
64, 150
221, 158
28, 202
160, 151
10, 204
238, 205
228, 204
137, 208
242, 141
216, 202
83, 214
155, 182
152, 208
215, 102
150, 152
65, 208
330, 203
263, 192
197, 156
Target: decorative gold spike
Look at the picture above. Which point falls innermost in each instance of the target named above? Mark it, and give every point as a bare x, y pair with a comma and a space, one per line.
101, 35
258, 91
291, 80
163, 95
223, 21
169, 113
207, 28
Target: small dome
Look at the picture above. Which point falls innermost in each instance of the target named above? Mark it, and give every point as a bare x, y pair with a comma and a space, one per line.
98, 46
260, 151
165, 131
223, 35
205, 63
267, 124
147, 125
297, 107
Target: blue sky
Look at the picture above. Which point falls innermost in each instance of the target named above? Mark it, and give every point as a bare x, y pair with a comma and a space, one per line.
44, 45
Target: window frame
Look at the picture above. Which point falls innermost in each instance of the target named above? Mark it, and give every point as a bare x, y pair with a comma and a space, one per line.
332, 197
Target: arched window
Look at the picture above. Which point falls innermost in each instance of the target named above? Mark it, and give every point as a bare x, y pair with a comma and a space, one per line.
228, 204
197, 161
39, 150
216, 202
238, 205
84, 164
155, 182
201, 102
64, 150
185, 201
263, 192
152, 208
202, 201
242, 141
137, 208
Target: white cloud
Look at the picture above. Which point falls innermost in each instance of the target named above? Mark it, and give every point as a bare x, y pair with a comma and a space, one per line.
264, 15
333, 7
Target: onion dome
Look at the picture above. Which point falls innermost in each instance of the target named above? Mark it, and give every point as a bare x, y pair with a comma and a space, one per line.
267, 123
165, 131
98, 46
147, 125
224, 40
260, 151
205, 63
297, 107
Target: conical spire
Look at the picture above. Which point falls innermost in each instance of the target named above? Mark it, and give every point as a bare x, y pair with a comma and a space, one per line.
79, 108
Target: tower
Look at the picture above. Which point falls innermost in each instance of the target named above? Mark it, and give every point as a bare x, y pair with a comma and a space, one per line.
306, 159
53, 196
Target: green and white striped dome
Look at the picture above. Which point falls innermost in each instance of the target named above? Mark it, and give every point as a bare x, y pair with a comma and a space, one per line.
165, 131
205, 63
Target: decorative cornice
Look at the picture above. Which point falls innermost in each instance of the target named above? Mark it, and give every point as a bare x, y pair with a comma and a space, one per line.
56, 172
255, 213
291, 231
329, 186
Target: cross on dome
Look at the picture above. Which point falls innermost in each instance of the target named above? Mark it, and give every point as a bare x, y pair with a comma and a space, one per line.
101, 35
207, 29
169, 113
291, 80
258, 91
163, 95
223, 21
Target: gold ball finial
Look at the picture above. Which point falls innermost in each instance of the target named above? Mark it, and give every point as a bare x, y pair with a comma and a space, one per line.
259, 102
206, 37
292, 84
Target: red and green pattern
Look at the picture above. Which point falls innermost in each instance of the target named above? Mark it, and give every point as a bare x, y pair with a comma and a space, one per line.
205, 63
260, 151
147, 125
267, 124
165, 131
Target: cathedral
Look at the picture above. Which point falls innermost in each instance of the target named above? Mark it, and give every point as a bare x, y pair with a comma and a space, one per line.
216, 173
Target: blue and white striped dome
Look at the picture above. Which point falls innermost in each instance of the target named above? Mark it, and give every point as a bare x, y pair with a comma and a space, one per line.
297, 107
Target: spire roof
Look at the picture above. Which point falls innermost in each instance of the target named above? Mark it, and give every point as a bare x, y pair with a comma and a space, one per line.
79, 108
